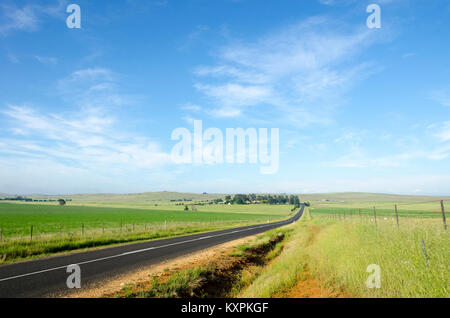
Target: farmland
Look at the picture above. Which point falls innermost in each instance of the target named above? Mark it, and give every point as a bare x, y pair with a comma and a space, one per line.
30, 229
322, 256
16, 219
339, 236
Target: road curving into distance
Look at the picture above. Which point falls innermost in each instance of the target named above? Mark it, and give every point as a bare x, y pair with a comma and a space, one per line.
47, 276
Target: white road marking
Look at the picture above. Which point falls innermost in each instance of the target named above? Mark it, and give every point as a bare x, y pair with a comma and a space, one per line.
137, 251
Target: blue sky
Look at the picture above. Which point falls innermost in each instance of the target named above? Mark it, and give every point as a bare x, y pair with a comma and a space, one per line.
93, 109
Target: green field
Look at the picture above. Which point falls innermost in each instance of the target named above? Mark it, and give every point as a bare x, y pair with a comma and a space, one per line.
354, 204
380, 212
16, 219
91, 220
35, 230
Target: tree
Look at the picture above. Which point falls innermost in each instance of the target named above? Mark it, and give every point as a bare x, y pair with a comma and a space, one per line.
62, 202
186, 208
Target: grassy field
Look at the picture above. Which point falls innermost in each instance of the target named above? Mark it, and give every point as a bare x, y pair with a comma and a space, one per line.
16, 219
354, 204
414, 259
354, 201
65, 228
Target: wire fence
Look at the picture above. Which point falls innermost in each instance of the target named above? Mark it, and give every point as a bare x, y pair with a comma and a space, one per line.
388, 212
93, 229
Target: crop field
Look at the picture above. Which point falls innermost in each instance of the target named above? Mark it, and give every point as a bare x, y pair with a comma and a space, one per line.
161, 201
16, 219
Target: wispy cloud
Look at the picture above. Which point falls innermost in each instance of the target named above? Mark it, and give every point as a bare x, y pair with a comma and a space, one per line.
300, 72
443, 134
442, 96
94, 87
48, 60
29, 17
89, 138
23, 19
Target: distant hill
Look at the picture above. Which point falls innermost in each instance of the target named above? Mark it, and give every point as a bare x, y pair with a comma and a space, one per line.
166, 196
362, 196
135, 197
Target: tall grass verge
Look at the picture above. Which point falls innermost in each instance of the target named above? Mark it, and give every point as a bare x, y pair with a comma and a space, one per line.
414, 259
288, 267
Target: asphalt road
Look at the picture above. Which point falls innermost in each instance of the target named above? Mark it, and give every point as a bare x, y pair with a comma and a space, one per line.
47, 276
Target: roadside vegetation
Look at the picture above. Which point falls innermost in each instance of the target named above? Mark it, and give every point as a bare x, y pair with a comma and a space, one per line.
320, 256
414, 259
222, 277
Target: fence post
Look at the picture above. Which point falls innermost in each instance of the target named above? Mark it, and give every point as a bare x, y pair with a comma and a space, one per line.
82, 229
1, 234
443, 215
103, 228
359, 212
31, 232
375, 215
59, 229
396, 215
133, 227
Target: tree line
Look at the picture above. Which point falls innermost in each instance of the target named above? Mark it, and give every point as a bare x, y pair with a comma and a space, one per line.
261, 198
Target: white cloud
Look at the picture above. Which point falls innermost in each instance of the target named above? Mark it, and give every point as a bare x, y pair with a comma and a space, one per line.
95, 87
444, 132
88, 138
191, 107
233, 97
88, 141
300, 72
28, 18
23, 19
442, 96
49, 60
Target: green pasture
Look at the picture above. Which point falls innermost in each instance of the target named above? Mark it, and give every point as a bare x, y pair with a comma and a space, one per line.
16, 219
